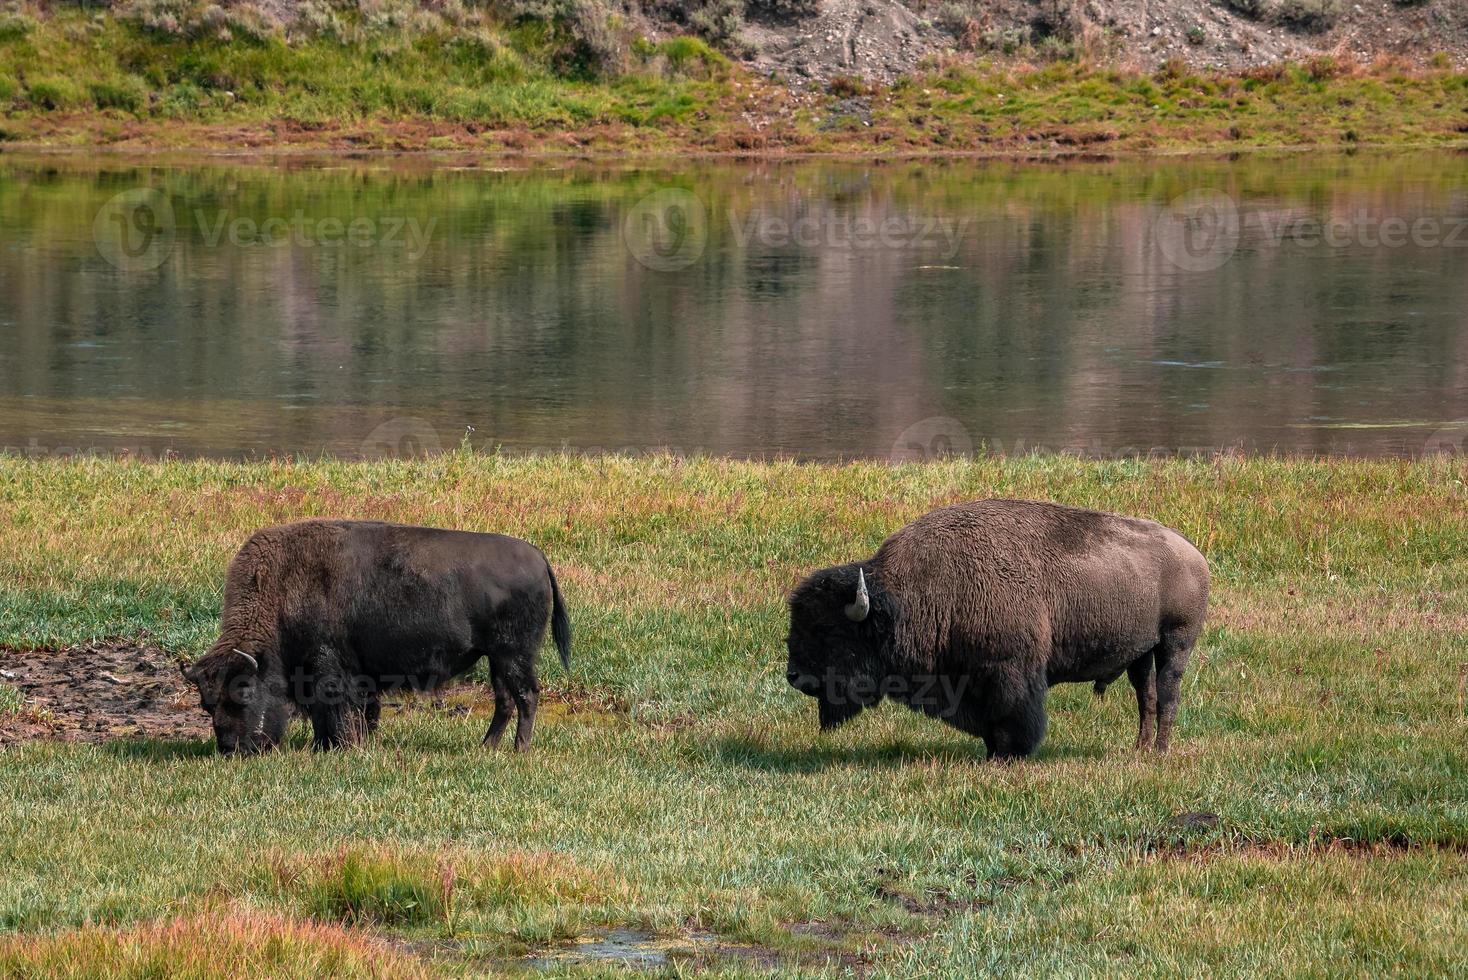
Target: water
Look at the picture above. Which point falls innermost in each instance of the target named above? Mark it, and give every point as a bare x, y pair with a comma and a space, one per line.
826, 309
627, 949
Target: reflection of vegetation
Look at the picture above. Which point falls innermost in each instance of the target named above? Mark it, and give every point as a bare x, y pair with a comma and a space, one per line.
530, 318
1318, 763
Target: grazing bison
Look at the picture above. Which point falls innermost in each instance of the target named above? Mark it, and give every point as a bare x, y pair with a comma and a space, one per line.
323, 616
972, 612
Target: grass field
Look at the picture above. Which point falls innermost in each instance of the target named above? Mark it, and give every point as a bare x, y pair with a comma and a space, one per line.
678, 787
70, 77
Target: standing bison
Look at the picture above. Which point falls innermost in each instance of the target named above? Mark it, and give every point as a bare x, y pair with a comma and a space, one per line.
972, 612
323, 616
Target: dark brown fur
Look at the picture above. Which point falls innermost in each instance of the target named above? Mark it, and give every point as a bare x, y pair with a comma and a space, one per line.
992, 602
323, 616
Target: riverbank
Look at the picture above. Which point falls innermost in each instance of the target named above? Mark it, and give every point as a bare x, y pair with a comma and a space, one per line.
80, 80
679, 794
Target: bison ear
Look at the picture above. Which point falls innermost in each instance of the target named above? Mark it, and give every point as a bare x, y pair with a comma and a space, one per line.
861, 605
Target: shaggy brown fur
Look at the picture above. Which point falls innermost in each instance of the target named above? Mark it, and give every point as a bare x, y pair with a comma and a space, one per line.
975, 610
323, 616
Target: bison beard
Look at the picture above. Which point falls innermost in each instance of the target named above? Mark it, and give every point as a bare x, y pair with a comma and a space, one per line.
322, 617
972, 612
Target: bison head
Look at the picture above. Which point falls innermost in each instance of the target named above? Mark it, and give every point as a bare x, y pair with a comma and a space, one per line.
840, 623
248, 715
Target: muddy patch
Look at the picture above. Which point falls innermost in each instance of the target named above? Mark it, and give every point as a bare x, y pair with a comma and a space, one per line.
97, 693
635, 950
475, 699
626, 948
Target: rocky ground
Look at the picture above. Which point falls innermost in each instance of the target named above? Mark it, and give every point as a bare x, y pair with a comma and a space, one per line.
878, 40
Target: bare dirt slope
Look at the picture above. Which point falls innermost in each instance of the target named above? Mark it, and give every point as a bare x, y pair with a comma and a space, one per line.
875, 40
878, 40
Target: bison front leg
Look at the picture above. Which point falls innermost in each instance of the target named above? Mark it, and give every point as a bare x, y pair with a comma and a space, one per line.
337, 719
371, 714
835, 713
1016, 724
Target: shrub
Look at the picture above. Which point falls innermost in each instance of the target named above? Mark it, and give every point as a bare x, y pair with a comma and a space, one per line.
387, 16
1253, 9
358, 888
170, 18
1323, 66
785, 9
320, 19
578, 35
1057, 18
128, 94
1196, 35
1309, 15
847, 86
718, 22
15, 25
687, 53
1009, 39
53, 93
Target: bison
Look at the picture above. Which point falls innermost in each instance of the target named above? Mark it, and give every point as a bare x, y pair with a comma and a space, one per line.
972, 612
324, 616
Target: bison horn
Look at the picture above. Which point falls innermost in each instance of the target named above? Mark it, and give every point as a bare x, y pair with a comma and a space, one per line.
857, 610
254, 664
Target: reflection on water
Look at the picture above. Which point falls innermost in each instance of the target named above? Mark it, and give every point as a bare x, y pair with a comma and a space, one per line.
817, 309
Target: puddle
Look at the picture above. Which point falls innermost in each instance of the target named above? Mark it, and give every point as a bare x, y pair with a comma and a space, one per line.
627, 948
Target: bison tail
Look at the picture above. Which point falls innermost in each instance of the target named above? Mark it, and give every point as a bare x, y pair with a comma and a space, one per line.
560, 624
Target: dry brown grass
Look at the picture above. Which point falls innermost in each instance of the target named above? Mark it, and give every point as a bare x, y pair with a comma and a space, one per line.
223, 943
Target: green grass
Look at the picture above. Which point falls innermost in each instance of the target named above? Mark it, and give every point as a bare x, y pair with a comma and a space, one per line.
1322, 722
104, 69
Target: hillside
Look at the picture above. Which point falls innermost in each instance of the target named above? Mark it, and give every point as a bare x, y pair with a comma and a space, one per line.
575, 76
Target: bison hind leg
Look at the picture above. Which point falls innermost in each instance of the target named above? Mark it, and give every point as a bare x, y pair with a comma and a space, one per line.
1172, 659
503, 708
513, 675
